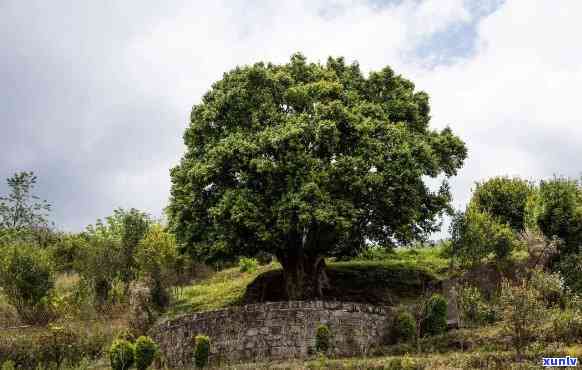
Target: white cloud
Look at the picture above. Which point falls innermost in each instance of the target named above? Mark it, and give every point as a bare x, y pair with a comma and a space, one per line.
514, 100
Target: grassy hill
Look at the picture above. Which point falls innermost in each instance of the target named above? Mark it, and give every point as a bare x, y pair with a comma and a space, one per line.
386, 278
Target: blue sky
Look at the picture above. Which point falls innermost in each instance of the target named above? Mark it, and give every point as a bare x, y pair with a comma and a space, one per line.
96, 95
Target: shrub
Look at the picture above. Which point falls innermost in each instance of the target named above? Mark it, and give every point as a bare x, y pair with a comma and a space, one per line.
46, 348
247, 264
121, 354
60, 344
27, 278
145, 352
476, 234
8, 365
567, 326
571, 269
201, 351
99, 264
157, 260
323, 339
66, 250
522, 313
473, 308
435, 321
404, 326
550, 286
505, 199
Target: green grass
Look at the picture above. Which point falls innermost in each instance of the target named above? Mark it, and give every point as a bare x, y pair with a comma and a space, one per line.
400, 274
224, 288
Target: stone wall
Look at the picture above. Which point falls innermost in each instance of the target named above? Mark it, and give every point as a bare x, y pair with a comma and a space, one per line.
278, 330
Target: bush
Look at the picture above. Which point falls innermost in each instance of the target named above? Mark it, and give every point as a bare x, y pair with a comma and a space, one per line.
473, 308
8, 365
571, 269
550, 286
476, 234
567, 326
121, 354
201, 351
505, 199
27, 278
522, 313
157, 260
145, 352
435, 321
247, 264
404, 326
66, 250
46, 348
323, 339
59, 345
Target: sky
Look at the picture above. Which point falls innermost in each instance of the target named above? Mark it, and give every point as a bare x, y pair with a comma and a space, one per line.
95, 95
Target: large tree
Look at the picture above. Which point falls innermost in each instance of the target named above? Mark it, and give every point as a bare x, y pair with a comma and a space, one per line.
304, 161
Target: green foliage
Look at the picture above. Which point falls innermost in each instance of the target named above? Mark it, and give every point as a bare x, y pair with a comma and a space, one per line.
110, 251
323, 339
504, 198
22, 213
201, 351
310, 155
247, 264
60, 344
561, 215
522, 313
66, 250
571, 269
435, 321
27, 279
474, 310
157, 260
121, 354
404, 326
135, 227
145, 352
99, 264
45, 348
567, 325
550, 287
476, 234
9, 365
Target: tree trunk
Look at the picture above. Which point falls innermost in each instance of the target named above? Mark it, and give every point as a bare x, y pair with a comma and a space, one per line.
304, 275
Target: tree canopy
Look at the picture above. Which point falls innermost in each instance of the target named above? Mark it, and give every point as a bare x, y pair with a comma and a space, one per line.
505, 199
305, 160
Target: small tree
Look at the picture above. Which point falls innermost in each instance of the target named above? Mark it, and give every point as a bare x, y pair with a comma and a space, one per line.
121, 354
323, 339
156, 259
435, 321
404, 326
476, 234
27, 279
22, 212
523, 311
201, 351
99, 264
145, 352
505, 199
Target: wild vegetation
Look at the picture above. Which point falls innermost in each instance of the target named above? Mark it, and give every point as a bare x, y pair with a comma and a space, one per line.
307, 177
